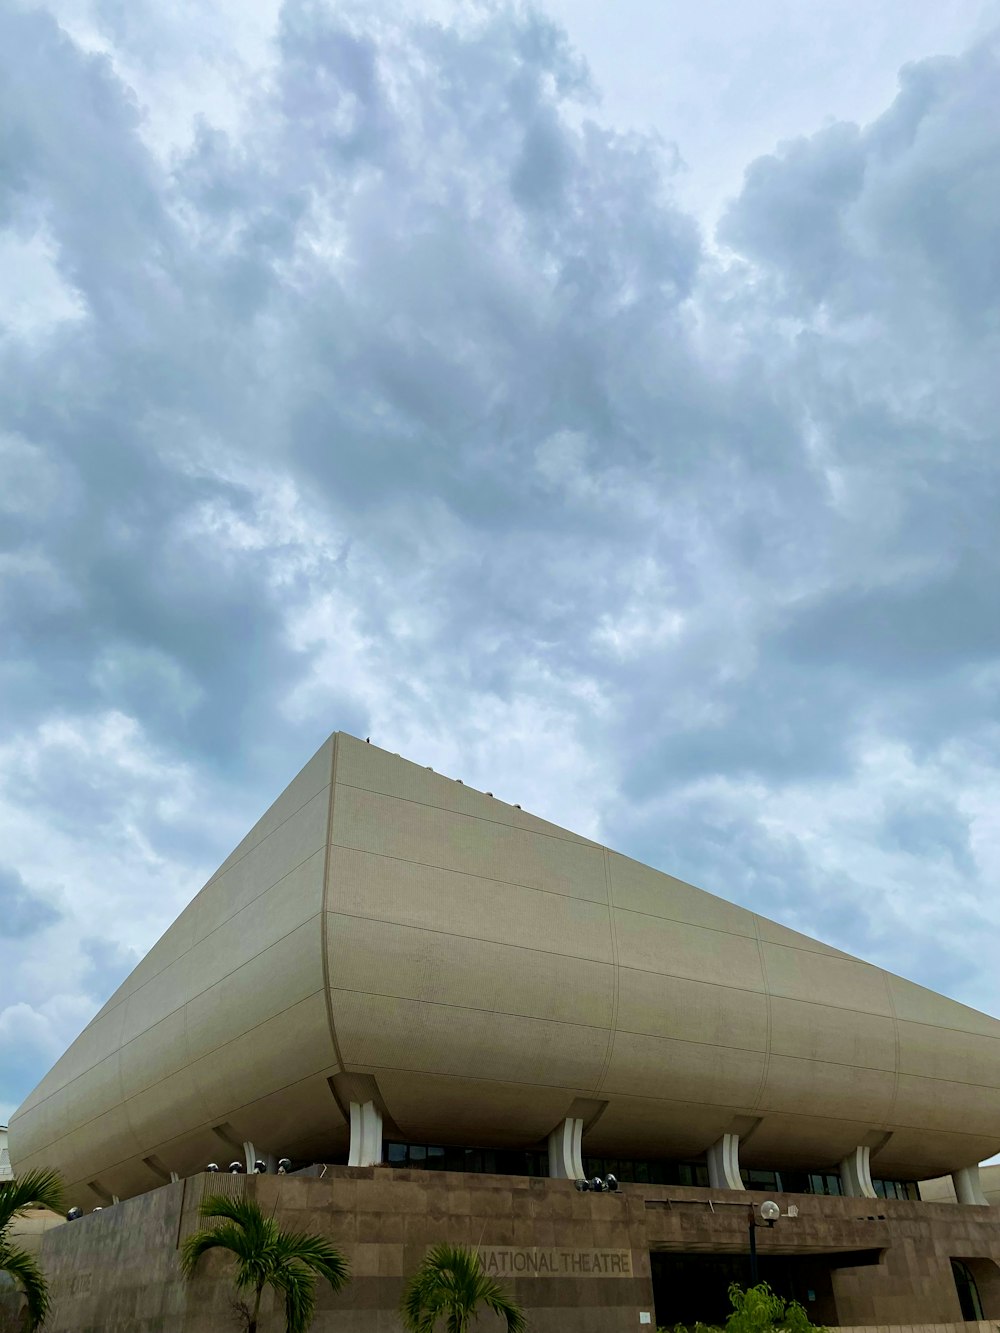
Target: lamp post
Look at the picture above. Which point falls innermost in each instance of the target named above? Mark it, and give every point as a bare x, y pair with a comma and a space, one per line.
769, 1214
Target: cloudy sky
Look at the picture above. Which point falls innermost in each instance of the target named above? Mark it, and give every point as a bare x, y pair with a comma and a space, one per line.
598, 403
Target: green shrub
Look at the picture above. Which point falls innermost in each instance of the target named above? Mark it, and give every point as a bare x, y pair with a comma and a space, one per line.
759, 1309
756, 1310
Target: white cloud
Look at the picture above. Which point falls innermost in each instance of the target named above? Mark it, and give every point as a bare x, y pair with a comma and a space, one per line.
408, 400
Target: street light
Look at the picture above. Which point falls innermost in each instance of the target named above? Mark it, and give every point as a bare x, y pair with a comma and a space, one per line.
768, 1215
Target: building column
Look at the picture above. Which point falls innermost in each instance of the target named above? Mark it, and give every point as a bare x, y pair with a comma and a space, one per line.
252, 1157
968, 1186
724, 1163
566, 1150
856, 1175
366, 1135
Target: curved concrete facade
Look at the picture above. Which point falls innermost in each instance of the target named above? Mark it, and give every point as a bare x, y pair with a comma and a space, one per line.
387, 934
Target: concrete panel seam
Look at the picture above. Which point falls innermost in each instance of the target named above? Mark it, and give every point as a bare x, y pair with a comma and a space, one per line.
836, 1064
325, 908
485, 819
945, 1027
768, 1016
895, 1029
479, 939
116, 1054
205, 1125
476, 1009
190, 1061
616, 976
136, 1141
594, 1027
483, 879
140, 1147
633, 1096
220, 874
225, 977
681, 921
215, 929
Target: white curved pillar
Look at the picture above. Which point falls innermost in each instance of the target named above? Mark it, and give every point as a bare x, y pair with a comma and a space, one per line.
566, 1150
724, 1163
856, 1175
968, 1186
252, 1156
366, 1135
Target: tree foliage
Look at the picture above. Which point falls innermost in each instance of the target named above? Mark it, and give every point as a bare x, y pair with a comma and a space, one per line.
450, 1285
16, 1197
759, 1309
290, 1262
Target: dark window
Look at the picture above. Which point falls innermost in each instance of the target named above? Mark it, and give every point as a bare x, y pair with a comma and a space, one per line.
795, 1182
761, 1180
968, 1292
896, 1189
642, 1172
441, 1157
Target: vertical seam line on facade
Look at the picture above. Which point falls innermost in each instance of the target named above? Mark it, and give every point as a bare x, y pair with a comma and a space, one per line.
767, 1009
891, 1118
615, 972
325, 908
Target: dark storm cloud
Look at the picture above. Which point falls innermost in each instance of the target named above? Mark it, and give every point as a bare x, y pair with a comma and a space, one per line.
412, 403
22, 913
108, 964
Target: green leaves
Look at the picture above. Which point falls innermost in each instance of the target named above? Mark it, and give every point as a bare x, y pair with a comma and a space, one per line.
450, 1284
44, 1187
25, 1271
759, 1310
287, 1261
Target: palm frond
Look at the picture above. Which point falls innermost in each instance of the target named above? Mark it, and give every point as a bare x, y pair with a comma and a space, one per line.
501, 1304
246, 1213
288, 1261
25, 1271
316, 1253
226, 1236
44, 1187
298, 1286
450, 1284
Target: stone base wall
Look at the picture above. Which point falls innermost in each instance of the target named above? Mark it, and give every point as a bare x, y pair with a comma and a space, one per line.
577, 1262
975, 1326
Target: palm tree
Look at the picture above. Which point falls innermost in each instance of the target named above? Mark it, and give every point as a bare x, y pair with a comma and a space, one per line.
266, 1256
16, 1196
450, 1284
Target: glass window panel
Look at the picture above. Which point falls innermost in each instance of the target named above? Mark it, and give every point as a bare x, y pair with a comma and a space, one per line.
795, 1182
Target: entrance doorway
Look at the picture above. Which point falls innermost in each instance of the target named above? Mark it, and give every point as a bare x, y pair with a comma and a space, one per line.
688, 1288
